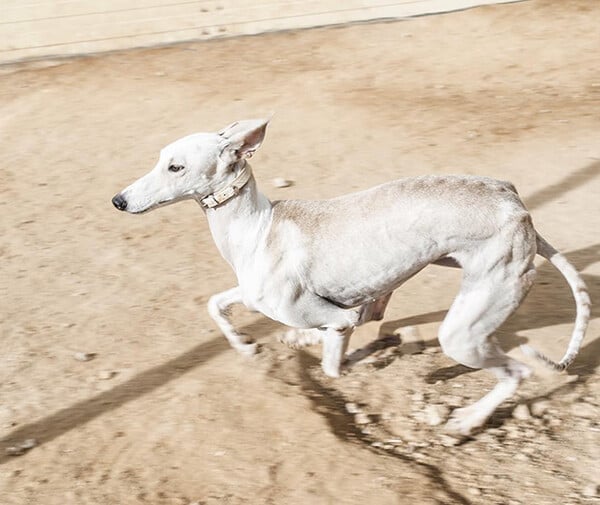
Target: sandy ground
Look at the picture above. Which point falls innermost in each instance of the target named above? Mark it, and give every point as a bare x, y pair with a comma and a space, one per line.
167, 413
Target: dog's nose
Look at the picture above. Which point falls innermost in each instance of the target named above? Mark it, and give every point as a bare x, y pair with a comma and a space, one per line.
119, 202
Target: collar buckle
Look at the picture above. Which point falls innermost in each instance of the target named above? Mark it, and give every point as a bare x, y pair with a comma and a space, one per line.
227, 193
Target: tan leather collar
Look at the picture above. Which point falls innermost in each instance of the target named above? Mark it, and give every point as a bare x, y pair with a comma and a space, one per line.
228, 192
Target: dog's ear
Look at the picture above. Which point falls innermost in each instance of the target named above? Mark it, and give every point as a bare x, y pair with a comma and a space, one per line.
244, 137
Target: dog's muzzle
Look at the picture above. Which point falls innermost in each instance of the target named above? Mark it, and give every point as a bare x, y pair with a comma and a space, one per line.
119, 202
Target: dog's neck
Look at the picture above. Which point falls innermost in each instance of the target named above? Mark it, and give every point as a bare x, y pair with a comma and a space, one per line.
237, 224
243, 172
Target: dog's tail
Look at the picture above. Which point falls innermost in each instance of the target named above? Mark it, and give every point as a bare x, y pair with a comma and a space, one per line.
582, 302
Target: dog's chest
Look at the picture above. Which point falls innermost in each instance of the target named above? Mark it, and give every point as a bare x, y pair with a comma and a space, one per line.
270, 284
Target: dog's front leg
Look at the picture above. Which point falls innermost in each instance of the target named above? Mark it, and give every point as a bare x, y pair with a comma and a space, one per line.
335, 343
218, 308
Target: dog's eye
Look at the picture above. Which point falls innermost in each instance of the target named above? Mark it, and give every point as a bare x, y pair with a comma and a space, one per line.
175, 168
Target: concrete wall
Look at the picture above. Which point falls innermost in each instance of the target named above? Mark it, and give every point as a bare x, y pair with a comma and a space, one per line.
42, 28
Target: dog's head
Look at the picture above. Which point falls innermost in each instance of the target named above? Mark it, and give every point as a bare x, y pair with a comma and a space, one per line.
193, 167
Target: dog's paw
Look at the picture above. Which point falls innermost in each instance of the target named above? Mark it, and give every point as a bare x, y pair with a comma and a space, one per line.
297, 339
331, 371
247, 349
464, 421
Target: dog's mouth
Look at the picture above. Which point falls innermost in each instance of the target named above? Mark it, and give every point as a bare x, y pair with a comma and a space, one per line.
162, 203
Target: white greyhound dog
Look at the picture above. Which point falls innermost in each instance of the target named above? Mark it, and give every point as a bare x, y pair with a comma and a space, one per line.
325, 267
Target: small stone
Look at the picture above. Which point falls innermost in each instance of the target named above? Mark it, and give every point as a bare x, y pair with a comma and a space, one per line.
489, 478
106, 375
410, 338
521, 412
591, 490
362, 418
84, 356
451, 400
571, 379
30, 443
521, 457
448, 441
539, 408
352, 408
530, 451
555, 422
584, 410
408, 334
474, 491
435, 415
280, 182
512, 431
417, 397
14, 450
22, 448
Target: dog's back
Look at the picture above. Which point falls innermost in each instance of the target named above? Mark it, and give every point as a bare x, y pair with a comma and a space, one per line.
391, 231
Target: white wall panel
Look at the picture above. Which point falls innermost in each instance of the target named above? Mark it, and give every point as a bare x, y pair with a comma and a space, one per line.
37, 29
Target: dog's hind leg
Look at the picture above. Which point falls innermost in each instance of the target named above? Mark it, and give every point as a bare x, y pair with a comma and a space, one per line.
375, 310
482, 305
218, 308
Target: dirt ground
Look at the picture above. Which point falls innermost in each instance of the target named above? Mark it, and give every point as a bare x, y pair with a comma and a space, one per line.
166, 412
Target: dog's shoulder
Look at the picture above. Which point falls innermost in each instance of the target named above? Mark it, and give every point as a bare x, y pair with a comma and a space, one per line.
305, 214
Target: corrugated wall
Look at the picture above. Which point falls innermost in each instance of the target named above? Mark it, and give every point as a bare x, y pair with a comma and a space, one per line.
37, 29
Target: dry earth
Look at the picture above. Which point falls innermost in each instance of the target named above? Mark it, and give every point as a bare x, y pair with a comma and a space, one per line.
166, 413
